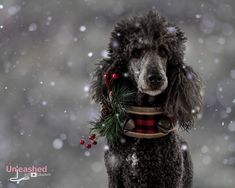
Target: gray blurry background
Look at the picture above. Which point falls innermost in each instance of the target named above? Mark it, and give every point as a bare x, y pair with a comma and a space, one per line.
47, 51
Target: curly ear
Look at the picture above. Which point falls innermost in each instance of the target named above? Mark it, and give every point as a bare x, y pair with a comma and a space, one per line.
184, 96
98, 89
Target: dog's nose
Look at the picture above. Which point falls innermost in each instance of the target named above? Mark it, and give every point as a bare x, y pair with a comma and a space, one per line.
154, 78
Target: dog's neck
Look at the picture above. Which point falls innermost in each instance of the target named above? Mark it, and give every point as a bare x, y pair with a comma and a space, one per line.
148, 101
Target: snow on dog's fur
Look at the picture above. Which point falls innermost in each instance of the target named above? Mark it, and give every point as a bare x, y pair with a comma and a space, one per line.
148, 51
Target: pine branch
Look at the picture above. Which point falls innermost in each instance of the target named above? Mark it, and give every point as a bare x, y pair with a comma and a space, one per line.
111, 125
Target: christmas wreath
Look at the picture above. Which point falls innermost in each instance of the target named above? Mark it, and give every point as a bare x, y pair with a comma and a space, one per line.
115, 104
112, 125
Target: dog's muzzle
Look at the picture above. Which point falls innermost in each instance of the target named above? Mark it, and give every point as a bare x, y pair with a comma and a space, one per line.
148, 122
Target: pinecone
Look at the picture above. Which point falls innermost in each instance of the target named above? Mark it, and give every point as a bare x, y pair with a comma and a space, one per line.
105, 110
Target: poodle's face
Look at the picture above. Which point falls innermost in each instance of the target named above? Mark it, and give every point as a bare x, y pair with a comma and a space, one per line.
148, 69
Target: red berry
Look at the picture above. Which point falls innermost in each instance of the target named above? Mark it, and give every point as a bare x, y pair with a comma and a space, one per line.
106, 76
115, 76
106, 79
94, 142
82, 141
88, 146
92, 137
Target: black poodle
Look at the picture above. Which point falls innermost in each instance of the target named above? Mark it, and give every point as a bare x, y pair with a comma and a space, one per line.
148, 52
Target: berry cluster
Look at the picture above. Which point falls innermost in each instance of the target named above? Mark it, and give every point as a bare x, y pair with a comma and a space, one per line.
92, 141
109, 78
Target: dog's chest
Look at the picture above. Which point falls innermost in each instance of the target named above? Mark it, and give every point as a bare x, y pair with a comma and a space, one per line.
146, 160
137, 163
144, 156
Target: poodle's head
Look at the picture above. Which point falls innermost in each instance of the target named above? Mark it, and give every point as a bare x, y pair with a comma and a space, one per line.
147, 44
148, 52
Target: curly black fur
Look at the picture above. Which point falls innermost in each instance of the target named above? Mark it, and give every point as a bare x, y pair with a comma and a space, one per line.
161, 162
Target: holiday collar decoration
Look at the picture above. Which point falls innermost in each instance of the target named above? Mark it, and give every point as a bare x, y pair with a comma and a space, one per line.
122, 118
148, 122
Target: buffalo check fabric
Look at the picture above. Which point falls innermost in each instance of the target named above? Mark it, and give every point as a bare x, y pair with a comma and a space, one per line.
145, 123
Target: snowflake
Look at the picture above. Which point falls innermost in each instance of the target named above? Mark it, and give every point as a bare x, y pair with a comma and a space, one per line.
86, 88
115, 44
171, 30
49, 18
104, 53
126, 74
52, 83
231, 126
106, 147
63, 136
82, 28
184, 147
133, 159
13, 10
198, 16
22, 132
90, 54
87, 154
57, 143
44, 103
33, 27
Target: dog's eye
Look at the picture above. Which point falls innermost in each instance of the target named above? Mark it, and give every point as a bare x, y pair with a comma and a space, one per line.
162, 51
136, 53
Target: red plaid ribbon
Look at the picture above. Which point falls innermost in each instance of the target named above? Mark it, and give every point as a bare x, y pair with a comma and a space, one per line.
146, 123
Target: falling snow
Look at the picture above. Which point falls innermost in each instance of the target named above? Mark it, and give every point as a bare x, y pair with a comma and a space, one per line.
231, 126
106, 147
47, 56
52, 83
198, 16
44, 103
171, 29
87, 154
184, 147
57, 143
13, 10
82, 28
33, 27
104, 54
86, 88
90, 54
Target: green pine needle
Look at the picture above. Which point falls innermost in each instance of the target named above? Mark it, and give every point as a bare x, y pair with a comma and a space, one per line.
111, 126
